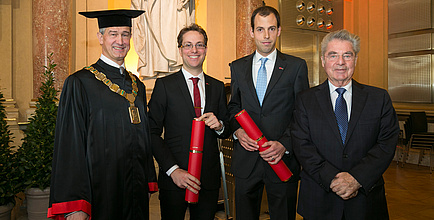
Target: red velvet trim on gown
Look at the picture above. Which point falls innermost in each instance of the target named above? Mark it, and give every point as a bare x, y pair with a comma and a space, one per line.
58, 210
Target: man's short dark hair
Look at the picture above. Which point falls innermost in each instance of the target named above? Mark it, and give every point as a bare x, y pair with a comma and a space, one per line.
265, 11
192, 27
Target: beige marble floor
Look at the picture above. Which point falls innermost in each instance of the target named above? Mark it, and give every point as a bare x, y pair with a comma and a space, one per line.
409, 191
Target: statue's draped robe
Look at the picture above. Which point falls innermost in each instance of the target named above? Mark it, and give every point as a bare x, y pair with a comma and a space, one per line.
155, 34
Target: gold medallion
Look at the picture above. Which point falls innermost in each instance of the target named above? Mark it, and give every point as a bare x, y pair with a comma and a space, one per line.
134, 114
131, 97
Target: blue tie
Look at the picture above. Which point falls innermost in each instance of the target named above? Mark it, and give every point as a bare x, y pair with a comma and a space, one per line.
261, 81
341, 113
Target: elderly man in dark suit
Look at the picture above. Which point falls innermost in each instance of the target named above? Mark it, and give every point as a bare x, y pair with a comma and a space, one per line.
265, 84
176, 100
344, 135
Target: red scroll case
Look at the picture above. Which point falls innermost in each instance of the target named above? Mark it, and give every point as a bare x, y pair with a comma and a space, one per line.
254, 133
195, 159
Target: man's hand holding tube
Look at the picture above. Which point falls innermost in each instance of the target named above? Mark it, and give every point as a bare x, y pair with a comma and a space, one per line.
273, 153
211, 121
245, 141
185, 180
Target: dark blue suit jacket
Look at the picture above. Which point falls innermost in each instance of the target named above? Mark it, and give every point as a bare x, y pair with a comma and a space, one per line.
368, 150
289, 78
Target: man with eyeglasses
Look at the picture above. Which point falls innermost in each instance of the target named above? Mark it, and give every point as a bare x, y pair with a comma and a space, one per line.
265, 84
344, 134
176, 101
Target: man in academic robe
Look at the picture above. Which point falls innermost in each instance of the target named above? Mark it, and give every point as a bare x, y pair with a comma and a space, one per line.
344, 135
176, 101
265, 84
102, 164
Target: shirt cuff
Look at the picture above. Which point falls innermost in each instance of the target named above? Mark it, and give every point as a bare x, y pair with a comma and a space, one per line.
173, 168
234, 136
219, 132
68, 214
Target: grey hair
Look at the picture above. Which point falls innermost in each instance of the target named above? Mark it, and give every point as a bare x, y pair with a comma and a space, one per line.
102, 30
343, 35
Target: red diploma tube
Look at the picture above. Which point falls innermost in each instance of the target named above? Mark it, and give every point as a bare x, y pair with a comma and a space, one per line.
254, 133
195, 159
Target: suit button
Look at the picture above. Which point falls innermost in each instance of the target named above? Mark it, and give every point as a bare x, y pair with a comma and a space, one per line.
345, 156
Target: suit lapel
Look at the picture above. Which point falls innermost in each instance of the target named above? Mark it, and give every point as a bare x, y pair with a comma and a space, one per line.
323, 98
279, 66
248, 76
358, 103
208, 92
184, 91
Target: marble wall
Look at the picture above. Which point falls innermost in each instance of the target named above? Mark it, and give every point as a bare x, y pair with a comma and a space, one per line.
77, 37
51, 29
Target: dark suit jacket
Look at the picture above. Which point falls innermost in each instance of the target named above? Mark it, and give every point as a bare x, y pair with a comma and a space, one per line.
289, 78
368, 150
172, 109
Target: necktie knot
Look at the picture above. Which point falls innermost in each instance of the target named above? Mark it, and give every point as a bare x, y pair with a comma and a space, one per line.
263, 61
195, 80
122, 70
341, 91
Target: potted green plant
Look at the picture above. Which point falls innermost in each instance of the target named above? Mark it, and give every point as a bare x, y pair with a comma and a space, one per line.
36, 153
8, 180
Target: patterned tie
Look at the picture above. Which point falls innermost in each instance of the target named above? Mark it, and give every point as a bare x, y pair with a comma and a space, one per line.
341, 113
197, 104
261, 81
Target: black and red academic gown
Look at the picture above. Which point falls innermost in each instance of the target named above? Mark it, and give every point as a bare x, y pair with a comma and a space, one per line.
102, 163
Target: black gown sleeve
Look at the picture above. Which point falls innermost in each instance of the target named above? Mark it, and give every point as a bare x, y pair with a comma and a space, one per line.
70, 181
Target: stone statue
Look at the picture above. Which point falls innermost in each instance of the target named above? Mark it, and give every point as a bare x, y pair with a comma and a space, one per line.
155, 34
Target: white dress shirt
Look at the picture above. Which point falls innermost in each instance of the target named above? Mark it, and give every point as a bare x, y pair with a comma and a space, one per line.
269, 65
200, 84
112, 63
348, 96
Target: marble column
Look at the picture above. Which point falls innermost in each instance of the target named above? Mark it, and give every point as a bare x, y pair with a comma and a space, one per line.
6, 76
52, 33
245, 43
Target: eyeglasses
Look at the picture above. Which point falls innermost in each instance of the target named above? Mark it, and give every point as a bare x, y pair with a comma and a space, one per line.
335, 57
189, 46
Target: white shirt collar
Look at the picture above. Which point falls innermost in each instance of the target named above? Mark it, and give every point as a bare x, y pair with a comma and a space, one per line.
111, 62
271, 57
188, 75
348, 87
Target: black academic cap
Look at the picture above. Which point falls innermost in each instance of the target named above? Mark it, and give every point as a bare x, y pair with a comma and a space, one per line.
113, 18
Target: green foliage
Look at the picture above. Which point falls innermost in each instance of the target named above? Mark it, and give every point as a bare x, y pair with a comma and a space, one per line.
7, 178
36, 153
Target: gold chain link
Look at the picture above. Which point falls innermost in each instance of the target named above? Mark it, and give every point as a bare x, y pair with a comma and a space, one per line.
131, 97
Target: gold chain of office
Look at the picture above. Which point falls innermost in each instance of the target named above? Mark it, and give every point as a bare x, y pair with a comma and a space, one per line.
131, 97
